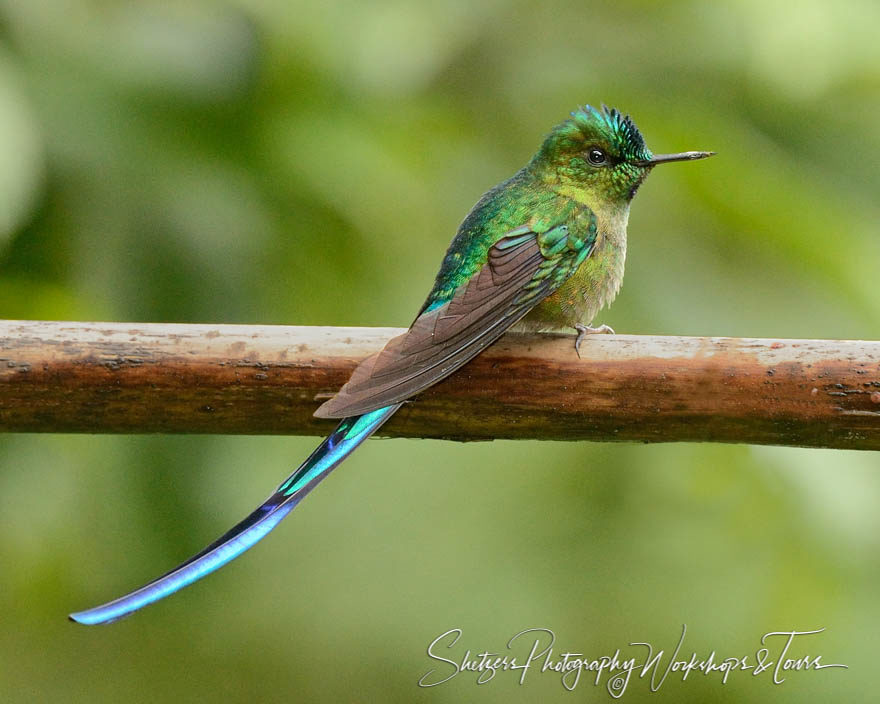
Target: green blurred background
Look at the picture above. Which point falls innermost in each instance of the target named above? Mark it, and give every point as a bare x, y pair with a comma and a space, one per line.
271, 161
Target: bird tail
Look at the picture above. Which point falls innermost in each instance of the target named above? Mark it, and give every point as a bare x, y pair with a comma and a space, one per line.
350, 433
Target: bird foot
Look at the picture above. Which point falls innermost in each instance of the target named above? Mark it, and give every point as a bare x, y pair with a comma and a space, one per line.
584, 330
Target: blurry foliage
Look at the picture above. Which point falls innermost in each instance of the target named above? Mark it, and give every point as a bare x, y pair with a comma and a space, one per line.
277, 161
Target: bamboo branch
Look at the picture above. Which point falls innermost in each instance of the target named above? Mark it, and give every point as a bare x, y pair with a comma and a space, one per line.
156, 378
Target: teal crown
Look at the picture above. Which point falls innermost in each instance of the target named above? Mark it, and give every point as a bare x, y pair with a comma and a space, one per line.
622, 131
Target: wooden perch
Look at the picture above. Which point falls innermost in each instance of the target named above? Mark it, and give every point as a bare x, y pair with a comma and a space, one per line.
155, 378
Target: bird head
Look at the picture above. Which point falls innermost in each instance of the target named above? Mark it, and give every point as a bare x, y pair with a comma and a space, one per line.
601, 155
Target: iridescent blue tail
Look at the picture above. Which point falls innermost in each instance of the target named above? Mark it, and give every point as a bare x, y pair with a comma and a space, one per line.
350, 433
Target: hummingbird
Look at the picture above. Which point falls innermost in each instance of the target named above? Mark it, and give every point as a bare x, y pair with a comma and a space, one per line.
542, 251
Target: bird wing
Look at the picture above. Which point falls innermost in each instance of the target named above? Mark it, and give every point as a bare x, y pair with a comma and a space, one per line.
522, 268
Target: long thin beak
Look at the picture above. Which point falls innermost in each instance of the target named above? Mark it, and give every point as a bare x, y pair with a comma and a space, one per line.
683, 156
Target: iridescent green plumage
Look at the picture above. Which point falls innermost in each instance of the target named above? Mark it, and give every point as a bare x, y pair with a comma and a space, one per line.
545, 250
560, 186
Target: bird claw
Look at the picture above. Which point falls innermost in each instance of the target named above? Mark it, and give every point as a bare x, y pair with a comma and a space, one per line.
584, 330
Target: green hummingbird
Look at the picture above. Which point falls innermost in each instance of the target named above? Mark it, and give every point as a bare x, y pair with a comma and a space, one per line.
544, 250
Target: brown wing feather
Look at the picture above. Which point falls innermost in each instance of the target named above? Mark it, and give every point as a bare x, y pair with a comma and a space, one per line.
442, 340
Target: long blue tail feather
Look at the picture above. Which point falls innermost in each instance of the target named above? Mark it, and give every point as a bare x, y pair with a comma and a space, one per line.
350, 433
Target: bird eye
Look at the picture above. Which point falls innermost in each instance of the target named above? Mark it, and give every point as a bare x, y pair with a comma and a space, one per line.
596, 156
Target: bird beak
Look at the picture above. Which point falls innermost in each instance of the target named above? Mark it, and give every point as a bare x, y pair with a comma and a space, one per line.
683, 156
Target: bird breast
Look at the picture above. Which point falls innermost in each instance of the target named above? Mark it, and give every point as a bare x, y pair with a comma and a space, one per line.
593, 286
